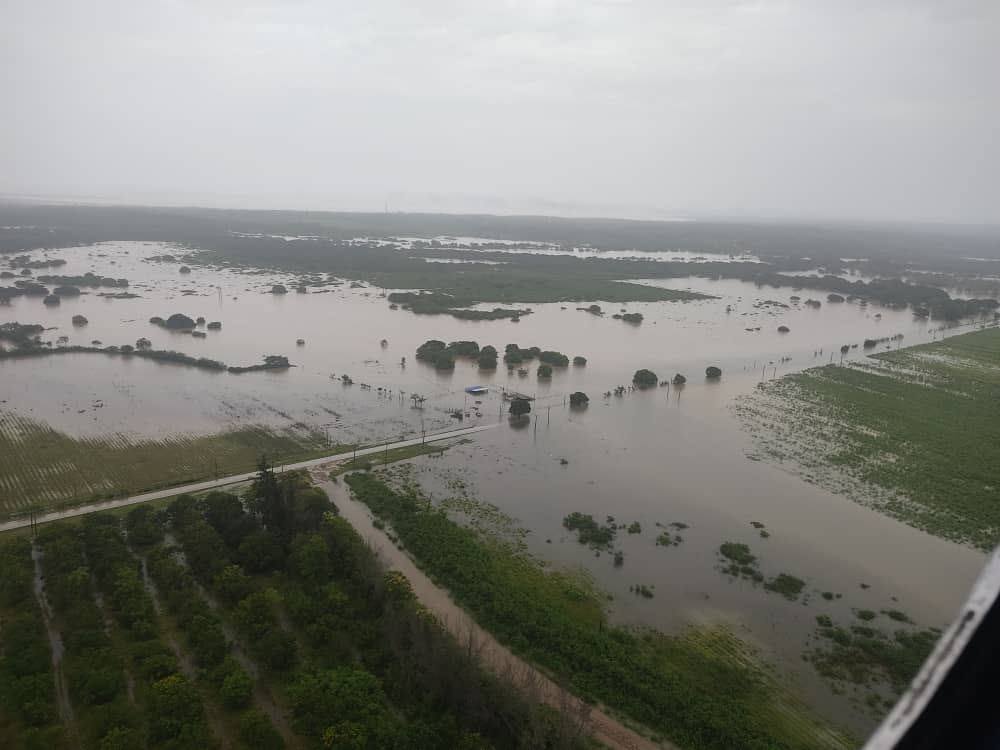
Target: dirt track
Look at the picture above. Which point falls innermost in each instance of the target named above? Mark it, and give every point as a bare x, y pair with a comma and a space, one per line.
604, 728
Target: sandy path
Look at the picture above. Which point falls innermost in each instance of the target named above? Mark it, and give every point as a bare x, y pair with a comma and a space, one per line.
606, 729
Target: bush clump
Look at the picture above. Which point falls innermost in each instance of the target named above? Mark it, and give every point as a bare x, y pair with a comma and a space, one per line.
519, 407
556, 359
645, 378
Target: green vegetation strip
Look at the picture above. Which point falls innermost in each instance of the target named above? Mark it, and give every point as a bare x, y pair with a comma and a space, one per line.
42, 468
702, 690
914, 433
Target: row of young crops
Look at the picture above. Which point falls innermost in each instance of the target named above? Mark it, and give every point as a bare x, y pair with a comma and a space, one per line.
43, 468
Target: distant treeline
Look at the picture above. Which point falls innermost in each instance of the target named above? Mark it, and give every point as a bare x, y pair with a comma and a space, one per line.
157, 355
525, 278
823, 243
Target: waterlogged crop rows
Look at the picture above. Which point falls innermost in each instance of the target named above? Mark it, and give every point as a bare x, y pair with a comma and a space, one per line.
43, 468
914, 433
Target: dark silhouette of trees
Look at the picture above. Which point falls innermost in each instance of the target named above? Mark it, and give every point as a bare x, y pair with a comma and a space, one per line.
645, 378
520, 407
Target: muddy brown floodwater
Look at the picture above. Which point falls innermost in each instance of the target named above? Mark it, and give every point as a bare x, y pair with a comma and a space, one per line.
663, 455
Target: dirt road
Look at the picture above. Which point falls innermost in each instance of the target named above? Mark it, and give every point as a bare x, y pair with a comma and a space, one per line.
605, 728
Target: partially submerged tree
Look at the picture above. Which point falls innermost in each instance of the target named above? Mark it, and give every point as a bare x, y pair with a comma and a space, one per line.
713, 373
519, 407
645, 378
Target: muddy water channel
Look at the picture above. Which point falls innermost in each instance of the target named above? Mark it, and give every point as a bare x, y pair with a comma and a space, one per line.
658, 456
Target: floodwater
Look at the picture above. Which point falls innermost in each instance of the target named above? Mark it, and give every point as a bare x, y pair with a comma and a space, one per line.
661, 455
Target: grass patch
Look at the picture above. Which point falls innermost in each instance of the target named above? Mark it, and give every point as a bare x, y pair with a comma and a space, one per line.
43, 469
393, 455
914, 433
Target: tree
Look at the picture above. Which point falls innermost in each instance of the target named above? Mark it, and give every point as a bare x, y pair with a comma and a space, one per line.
520, 407
279, 289
713, 373
345, 735
645, 378
143, 344
557, 359
578, 399
679, 379
80, 320
236, 689
544, 372
174, 702
232, 583
429, 348
178, 322
579, 361
310, 558
345, 694
258, 733
464, 348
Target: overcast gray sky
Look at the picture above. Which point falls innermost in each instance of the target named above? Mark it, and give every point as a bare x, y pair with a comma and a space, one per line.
873, 109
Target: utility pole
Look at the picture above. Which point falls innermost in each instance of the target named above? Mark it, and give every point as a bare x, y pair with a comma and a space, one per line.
548, 416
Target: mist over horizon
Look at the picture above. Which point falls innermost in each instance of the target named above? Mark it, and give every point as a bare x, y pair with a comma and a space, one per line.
728, 110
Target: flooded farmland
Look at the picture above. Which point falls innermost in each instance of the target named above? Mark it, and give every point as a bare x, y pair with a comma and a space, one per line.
663, 455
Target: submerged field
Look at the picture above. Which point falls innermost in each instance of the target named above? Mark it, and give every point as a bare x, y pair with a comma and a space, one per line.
41, 467
915, 433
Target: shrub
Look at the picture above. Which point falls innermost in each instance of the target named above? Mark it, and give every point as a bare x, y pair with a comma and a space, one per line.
178, 321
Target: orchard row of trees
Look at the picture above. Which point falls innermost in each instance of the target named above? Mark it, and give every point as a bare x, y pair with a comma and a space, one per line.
251, 621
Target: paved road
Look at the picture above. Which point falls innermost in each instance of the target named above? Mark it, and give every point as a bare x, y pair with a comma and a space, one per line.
212, 484
606, 729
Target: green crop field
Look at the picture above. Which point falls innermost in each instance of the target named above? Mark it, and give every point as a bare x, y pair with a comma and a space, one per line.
914, 433
41, 467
